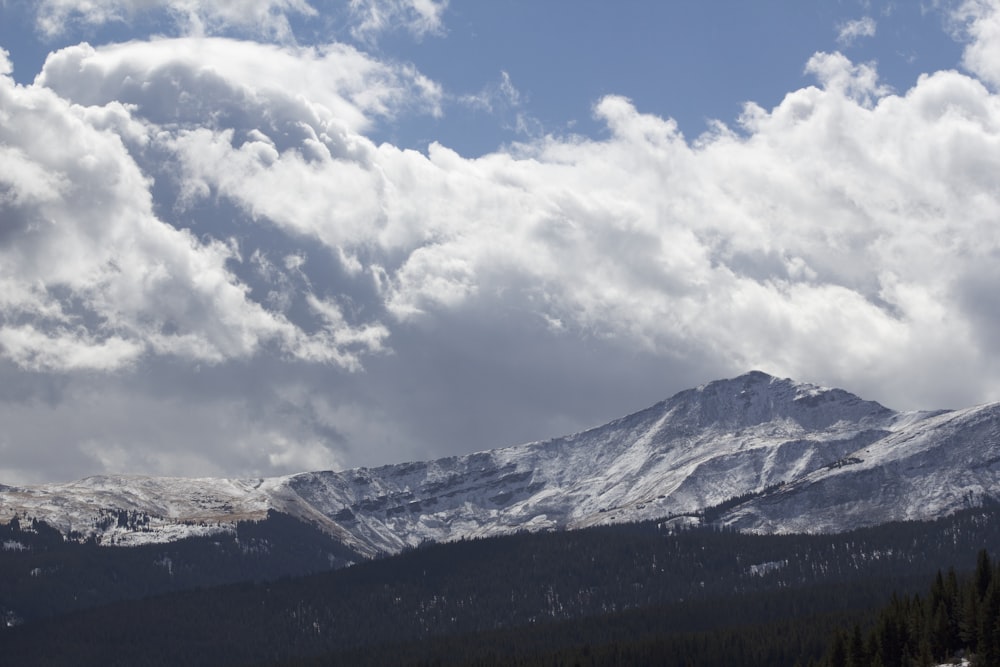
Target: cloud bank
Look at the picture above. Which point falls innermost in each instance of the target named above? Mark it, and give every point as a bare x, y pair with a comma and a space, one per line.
216, 206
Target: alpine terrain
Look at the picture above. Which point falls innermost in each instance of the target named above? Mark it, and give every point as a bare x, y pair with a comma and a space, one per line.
756, 453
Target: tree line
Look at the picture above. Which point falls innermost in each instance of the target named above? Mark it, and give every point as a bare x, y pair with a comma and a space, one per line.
610, 595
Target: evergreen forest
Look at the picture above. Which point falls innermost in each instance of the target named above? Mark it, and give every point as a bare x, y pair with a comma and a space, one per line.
956, 618
276, 593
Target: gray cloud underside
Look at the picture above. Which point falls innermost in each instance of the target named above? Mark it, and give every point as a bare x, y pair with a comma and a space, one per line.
206, 267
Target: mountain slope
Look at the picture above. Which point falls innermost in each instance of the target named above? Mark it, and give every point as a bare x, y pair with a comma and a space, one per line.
809, 458
929, 468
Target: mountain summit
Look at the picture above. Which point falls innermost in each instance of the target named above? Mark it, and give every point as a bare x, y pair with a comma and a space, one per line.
760, 453
757, 398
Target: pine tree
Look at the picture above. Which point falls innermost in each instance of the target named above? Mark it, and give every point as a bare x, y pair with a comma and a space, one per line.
988, 651
857, 656
940, 638
968, 625
837, 655
951, 596
984, 573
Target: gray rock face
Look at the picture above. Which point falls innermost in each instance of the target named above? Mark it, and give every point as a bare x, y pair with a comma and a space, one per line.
818, 459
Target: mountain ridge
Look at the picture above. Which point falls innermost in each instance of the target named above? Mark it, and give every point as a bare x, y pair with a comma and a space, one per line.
808, 458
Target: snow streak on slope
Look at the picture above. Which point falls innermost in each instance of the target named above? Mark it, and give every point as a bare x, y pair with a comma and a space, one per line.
930, 468
840, 462
167, 508
694, 450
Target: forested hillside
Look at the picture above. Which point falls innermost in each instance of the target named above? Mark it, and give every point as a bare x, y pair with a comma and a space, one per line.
42, 574
609, 595
959, 616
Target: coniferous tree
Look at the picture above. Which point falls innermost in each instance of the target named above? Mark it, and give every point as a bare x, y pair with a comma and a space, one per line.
857, 656
988, 650
968, 625
984, 573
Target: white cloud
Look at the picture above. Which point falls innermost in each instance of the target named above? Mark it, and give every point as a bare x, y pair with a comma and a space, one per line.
821, 229
845, 236
92, 279
374, 17
502, 94
66, 349
850, 31
227, 82
819, 226
267, 18
980, 21
837, 73
504, 100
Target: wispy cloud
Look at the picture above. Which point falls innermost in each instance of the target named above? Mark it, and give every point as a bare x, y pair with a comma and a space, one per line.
267, 18
505, 101
418, 17
850, 31
502, 93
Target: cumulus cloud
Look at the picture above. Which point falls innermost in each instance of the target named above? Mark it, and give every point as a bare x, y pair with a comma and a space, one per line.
850, 31
818, 228
194, 81
979, 20
847, 236
820, 225
92, 279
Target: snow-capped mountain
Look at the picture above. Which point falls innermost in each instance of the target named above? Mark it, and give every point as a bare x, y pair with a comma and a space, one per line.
925, 467
805, 458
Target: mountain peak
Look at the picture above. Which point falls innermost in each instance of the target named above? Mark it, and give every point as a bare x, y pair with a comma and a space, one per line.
757, 397
828, 453
755, 376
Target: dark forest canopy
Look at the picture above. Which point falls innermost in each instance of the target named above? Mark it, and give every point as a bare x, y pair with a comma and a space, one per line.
958, 617
610, 595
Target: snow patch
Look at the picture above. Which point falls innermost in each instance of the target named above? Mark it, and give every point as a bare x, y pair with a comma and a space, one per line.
761, 569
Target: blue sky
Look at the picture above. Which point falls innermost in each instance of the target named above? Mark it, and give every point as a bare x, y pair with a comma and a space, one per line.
693, 62
256, 237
